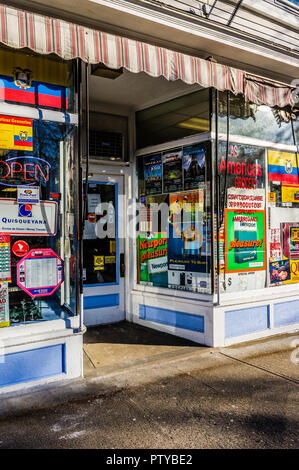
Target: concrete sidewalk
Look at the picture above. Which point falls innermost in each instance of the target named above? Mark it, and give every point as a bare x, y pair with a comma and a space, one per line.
124, 355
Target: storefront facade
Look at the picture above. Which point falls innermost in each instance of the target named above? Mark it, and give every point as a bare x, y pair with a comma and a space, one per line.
180, 213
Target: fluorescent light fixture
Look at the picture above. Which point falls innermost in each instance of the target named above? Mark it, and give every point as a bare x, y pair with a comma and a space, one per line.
197, 124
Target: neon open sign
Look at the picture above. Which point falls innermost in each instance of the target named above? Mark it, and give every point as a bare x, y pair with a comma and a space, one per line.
24, 170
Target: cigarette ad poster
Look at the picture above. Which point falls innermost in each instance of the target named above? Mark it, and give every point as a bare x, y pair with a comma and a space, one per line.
153, 174
290, 240
290, 193
194, 166
188, 244
4, 305
152, 259
245, 241
16, 133
173, 171
5, 262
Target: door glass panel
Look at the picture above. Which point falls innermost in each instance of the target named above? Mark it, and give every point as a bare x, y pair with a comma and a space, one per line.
100, 235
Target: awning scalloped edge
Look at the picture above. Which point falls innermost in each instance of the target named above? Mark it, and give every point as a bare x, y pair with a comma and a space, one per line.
44, 35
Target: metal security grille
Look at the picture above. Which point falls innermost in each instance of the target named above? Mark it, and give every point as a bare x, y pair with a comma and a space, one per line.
103, 144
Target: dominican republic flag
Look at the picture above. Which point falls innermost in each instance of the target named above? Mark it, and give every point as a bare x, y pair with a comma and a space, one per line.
36, 93
283, 167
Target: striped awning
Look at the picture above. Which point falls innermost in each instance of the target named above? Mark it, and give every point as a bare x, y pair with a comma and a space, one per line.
45, 35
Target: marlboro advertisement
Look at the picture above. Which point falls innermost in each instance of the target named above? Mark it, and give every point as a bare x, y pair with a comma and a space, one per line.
152, 259
245, 241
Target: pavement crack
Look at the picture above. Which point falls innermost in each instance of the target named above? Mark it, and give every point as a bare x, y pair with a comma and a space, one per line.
281, 376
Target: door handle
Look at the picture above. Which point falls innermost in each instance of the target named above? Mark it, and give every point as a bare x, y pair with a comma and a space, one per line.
122, 267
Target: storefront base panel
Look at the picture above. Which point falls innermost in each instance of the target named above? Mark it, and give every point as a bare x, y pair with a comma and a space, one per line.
180, 317
42, 354
252, 322
215, 326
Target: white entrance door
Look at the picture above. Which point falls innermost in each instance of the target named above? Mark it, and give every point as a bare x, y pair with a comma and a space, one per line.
103, 251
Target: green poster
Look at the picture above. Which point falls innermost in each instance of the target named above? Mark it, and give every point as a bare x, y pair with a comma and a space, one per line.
152, 259
245, 241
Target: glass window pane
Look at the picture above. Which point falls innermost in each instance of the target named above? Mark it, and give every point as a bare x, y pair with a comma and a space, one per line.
175, 119
100, 235
174, 223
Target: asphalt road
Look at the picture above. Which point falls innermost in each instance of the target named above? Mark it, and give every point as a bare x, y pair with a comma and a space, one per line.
232, 404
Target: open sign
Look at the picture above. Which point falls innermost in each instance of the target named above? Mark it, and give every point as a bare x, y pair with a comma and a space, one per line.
24, 170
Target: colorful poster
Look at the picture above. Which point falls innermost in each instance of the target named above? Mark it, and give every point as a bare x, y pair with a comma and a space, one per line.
245, 199
279, 271
153, 174
242, 168
282, 166
5, 261
40, 272
152, 259
27, 219
16, 133
98, 263
275, 244
172, 171
290, 193
245, 241
188, 241
194, 166
294, 272
290, 240
4, 305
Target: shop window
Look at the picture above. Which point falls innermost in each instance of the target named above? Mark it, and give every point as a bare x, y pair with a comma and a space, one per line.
38, 203
258, 197
175, 119
260, 122
242, 217
174, 219
100, 249
283, 234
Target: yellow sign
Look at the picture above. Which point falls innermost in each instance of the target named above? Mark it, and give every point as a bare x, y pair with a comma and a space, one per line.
272, 197
99, 263
109, 259
290, 193
16, 133
294, 271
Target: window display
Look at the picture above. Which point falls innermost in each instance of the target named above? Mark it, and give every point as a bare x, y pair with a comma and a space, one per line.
174, 237
35, 207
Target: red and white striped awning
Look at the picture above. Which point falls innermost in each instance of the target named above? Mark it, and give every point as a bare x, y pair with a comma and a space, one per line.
44, 35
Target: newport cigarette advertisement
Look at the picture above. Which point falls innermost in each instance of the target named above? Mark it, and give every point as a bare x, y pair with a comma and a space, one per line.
245, 241
152, 259
153, 175
290, 240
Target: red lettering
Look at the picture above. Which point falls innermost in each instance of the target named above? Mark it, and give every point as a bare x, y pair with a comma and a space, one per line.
46, 177
8, 169
28, 171
13, 166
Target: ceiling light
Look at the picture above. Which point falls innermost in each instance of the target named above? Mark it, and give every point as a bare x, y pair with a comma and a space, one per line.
196, 124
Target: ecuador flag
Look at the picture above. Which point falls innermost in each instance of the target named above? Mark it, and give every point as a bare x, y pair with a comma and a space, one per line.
16, 133
282, 166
